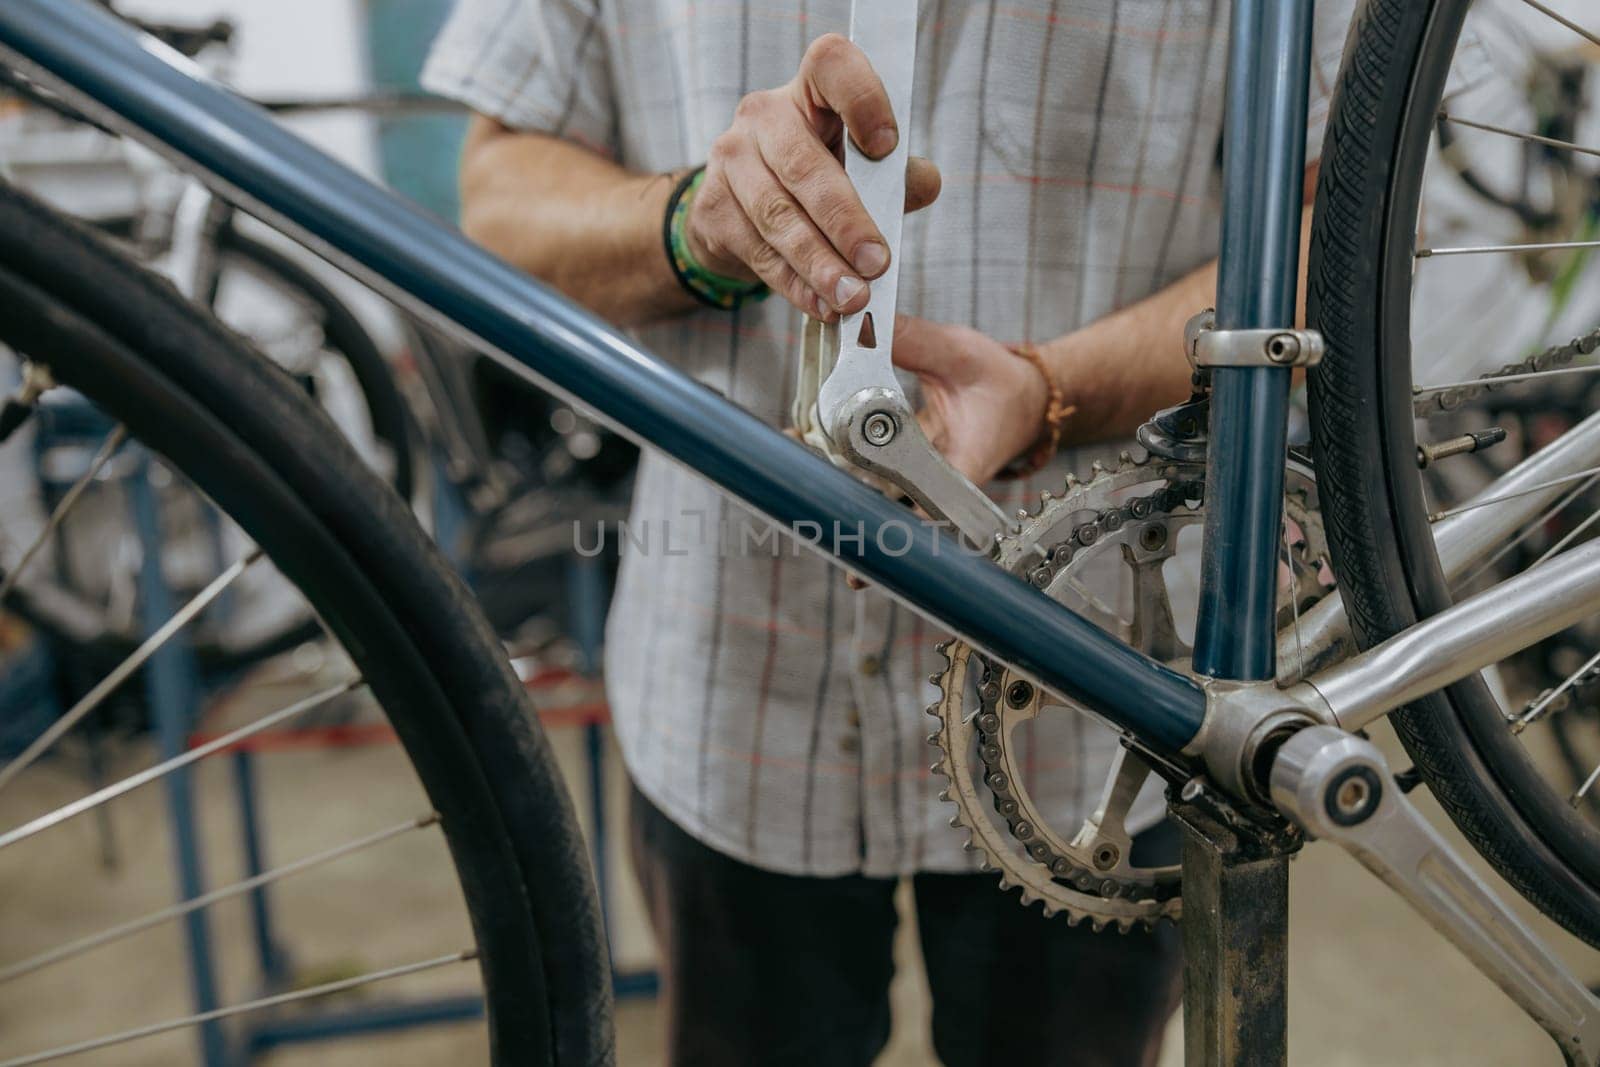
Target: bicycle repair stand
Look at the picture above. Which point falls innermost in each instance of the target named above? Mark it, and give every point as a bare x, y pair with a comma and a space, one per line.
175, 688
1235, 934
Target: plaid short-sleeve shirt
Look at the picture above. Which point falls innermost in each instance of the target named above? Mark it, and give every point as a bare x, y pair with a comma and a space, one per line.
768, 709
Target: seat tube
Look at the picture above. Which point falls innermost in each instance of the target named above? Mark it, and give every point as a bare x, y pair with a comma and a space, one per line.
1264, 151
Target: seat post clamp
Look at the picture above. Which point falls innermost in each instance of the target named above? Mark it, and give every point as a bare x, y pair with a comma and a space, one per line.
1210, 347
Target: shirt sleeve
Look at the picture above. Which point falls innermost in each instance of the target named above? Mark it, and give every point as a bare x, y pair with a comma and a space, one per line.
539, 65
1331, 29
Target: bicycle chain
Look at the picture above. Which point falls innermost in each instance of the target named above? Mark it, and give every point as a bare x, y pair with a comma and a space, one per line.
1552, 358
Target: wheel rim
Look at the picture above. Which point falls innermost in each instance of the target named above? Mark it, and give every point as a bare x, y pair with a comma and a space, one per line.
1523, 783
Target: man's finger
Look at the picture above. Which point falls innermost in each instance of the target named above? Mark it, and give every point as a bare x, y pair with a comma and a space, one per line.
745, 242
786, 228
920, 348
923, 183
836, 76
817, 181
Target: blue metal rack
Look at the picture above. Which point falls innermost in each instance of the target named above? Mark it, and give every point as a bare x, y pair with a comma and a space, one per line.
175, 689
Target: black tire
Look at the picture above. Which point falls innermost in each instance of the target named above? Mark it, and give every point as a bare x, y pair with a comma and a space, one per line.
243, 432
1364, 440
343, 334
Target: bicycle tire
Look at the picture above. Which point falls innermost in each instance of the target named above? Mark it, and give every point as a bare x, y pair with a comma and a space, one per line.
1364, 441
390, 422
241, 430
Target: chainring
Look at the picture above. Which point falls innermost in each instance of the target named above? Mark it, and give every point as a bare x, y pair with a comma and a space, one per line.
1089, 875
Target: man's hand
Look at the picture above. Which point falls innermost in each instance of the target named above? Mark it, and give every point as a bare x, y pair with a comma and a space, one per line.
776, 203
983, 405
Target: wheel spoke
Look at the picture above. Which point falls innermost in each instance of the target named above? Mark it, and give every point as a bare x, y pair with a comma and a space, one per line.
1473, 505
1528, 531
166, 767
175, 911
108, 448
1588, 35
1482, 250
1567, 540
1504, 379
108, 685
310, 993
1574, 800
1521, 135
1537, 707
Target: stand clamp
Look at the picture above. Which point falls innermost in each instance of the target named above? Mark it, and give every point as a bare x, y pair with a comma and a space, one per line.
1207, 346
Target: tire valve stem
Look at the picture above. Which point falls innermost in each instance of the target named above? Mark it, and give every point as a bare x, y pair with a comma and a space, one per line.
1467, 443
36, 380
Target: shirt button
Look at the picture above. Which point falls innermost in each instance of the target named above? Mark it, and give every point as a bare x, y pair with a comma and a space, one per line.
870, 666
849, 743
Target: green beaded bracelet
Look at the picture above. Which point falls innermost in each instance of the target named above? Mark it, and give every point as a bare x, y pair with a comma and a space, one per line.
711, 289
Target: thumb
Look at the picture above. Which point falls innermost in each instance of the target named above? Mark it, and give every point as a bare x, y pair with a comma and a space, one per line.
923, 182
920, 347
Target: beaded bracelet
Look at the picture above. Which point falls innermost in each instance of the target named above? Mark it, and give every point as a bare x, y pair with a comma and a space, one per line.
711, 289
1056, 413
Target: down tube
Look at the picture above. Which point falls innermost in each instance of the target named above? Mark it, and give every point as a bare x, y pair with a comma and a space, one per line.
1264, 150
137, 86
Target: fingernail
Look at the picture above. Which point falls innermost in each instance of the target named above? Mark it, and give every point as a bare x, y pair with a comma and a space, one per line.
871, 258
846, 290
882, 141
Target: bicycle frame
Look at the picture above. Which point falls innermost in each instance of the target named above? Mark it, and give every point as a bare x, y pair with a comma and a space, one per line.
140, 88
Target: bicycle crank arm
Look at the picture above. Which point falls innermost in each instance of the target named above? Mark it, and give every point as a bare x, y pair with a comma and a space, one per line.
861, 407
1338, 787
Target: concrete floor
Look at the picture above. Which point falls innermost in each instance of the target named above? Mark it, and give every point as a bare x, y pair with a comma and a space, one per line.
1370, 983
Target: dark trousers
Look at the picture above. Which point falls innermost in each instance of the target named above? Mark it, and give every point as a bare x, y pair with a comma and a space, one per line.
766, 970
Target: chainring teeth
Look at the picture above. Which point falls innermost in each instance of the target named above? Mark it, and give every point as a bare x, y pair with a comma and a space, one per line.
1066, 526
1075, 891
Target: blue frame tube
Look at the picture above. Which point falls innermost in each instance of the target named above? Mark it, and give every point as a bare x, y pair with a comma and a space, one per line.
133, 84
1264, 159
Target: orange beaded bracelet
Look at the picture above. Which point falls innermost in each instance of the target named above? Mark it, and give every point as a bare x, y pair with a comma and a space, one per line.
1056, 413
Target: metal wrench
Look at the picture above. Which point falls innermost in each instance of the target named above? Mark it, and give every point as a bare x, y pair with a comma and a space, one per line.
861, 416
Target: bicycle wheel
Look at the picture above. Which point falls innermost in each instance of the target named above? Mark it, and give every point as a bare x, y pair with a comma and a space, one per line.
243, 433
283, 308
1394, 273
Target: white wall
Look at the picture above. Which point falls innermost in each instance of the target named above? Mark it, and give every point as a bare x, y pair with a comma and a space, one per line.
293, 48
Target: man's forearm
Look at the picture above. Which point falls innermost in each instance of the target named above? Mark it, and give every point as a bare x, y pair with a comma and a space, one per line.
1121, 369
574, 220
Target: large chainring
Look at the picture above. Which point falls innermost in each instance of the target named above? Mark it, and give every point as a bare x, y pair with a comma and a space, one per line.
1130, 514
